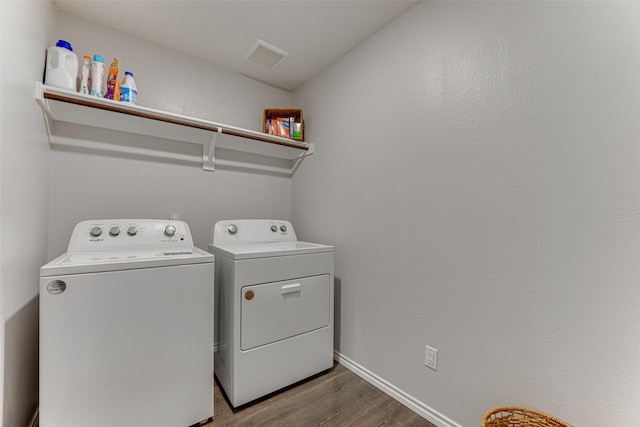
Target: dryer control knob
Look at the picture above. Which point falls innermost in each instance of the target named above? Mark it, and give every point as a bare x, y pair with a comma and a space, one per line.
114, 231
283, 228
132, 231
274, 228
170, 230
232, 229
96, 231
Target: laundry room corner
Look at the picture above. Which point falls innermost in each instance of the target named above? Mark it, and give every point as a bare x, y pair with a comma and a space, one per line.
472, 199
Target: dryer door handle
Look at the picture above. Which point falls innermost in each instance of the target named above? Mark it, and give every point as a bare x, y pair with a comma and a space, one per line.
289, 289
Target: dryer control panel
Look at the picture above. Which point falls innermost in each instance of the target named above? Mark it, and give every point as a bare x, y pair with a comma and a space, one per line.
252, 231
114, 234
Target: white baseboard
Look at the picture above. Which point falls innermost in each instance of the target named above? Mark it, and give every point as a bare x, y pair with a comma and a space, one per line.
412, 403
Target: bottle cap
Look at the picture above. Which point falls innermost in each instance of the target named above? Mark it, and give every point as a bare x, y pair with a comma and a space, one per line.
128, 73
98, 58
87, 57
65, 44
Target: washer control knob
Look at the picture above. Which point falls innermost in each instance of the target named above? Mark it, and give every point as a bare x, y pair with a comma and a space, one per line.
170, 230
283, 228
232, 229
114, 231
274, 228
96, 231
132, 231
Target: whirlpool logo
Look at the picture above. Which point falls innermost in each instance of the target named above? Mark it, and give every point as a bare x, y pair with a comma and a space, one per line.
56, 287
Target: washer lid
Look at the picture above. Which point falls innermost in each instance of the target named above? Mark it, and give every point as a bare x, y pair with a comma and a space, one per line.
99, 261
268, 249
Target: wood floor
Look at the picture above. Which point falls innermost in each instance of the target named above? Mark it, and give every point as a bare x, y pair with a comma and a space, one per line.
337, 397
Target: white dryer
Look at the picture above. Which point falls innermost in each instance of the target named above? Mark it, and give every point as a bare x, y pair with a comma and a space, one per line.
274, 307
126, 328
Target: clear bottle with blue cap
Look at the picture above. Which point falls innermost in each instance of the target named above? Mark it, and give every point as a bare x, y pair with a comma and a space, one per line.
98, 68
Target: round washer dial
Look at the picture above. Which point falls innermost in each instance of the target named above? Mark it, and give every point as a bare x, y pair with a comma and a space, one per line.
170, 230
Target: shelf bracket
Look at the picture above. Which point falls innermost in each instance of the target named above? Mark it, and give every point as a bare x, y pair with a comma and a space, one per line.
45, 108
298, 160
209, 152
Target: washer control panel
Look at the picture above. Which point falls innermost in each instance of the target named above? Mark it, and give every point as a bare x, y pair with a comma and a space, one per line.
111, 234
252, 231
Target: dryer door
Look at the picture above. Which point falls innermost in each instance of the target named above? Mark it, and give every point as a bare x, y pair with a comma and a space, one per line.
272, 312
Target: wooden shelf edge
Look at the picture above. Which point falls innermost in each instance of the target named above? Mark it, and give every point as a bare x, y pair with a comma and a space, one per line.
55, 94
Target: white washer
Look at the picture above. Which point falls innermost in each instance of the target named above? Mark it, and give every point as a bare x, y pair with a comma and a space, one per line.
274, 307
126, 328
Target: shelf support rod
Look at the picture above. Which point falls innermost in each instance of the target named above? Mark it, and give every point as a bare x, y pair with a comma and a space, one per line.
298, 160
209, 152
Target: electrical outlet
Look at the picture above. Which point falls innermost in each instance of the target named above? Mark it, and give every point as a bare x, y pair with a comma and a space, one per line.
430, 357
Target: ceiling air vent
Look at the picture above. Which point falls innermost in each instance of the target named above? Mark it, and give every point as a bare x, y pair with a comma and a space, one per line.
264, 54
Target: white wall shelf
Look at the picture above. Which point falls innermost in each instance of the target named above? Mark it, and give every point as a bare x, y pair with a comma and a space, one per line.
90, 123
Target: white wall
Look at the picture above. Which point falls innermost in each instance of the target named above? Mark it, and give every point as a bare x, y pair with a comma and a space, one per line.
477, 168
25, 33
94, 185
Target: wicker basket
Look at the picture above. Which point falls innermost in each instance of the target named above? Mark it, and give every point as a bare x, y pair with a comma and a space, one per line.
513, 416
274, 113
